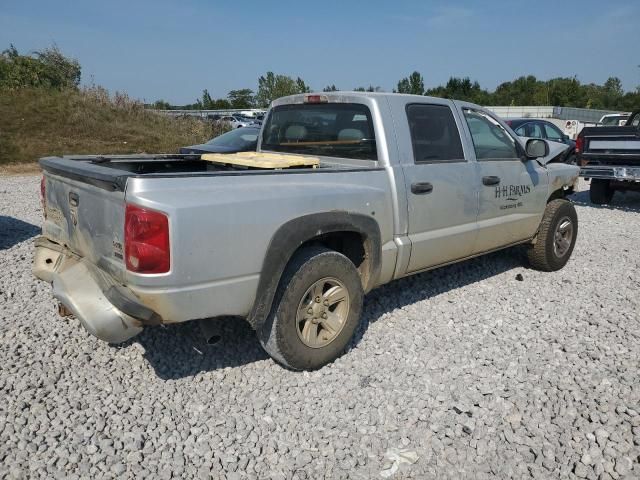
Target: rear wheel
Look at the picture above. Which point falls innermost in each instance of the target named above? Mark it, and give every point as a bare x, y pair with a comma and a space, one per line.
600, 191
556, 237
316, 310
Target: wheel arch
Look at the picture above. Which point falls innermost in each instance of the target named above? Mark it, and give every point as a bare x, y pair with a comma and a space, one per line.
560, 193
355, 235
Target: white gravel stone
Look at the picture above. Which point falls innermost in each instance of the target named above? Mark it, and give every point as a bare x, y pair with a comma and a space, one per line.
478, 373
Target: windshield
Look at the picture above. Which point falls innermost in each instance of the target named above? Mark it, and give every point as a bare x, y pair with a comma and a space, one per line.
238, 138
329, 129
614, 120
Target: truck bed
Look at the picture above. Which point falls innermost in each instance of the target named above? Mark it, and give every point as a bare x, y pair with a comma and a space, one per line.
111, 172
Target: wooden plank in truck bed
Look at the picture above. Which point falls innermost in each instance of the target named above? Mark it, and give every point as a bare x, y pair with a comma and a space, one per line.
266, 160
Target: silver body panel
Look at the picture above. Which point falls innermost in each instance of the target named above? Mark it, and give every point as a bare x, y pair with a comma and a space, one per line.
222, 225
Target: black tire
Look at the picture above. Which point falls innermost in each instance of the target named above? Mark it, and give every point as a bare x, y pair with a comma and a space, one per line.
279, 335
600, 191
571, 160
545, 254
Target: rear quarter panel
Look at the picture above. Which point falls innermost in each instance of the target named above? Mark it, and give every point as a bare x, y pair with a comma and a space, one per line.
221, 227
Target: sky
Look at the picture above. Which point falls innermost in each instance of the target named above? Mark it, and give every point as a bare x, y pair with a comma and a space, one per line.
172, 50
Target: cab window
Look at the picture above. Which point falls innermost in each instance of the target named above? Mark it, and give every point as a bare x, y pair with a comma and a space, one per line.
490, 140
531, 130
434, 134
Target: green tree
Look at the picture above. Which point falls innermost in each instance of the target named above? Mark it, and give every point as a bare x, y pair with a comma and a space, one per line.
48, 68
413, 84
461, 89
613, 86
370, 88
525, 90
566, 92
161, 105
330, 88
222, 104
630, 101
60, 71
206, 102
302, 87
242, 98
528, 90
272, 86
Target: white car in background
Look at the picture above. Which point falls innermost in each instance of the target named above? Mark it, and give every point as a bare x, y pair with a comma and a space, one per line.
235, 122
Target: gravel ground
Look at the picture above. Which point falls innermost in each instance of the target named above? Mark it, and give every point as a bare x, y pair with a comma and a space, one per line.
480, 370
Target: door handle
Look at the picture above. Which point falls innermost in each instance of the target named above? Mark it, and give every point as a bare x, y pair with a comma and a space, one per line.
421, 188
490, 180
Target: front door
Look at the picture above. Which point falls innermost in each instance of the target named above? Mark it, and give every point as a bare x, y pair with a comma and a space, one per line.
440, 184
512, 190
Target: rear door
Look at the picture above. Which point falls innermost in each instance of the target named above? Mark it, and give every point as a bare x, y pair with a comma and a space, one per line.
512, 191
530, 129
439, 181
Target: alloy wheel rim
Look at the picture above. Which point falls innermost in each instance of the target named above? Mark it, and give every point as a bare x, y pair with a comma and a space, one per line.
322, 312
563, 237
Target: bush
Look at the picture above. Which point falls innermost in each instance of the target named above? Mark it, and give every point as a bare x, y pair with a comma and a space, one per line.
46, 69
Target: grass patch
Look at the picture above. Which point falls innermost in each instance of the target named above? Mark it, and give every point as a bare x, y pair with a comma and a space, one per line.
36, 122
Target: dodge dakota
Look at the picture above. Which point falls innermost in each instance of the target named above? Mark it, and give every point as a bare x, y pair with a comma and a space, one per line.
347, 191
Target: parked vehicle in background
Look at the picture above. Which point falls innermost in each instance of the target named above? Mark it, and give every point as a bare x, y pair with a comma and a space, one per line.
238, 140
536, 128
613, 120
356, 189
610, 157
235, 122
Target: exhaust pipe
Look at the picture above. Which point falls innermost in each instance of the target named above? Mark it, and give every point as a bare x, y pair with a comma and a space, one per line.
211, 331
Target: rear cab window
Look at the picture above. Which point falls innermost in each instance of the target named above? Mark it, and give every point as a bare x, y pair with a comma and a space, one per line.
434, 135
343, 130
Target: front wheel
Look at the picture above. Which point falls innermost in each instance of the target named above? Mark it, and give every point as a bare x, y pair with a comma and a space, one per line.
316, 310
556, 237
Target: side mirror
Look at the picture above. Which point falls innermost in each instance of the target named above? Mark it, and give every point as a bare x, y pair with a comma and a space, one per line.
537, 148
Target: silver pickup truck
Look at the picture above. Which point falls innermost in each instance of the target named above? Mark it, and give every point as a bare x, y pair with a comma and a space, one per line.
401, 184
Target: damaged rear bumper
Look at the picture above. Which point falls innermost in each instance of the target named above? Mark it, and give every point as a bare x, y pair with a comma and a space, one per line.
106, 309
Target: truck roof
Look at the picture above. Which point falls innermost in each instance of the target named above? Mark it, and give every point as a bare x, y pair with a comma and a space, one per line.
350, 96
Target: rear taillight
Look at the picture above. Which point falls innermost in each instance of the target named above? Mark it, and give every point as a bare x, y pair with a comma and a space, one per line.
146, 240
579, 144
